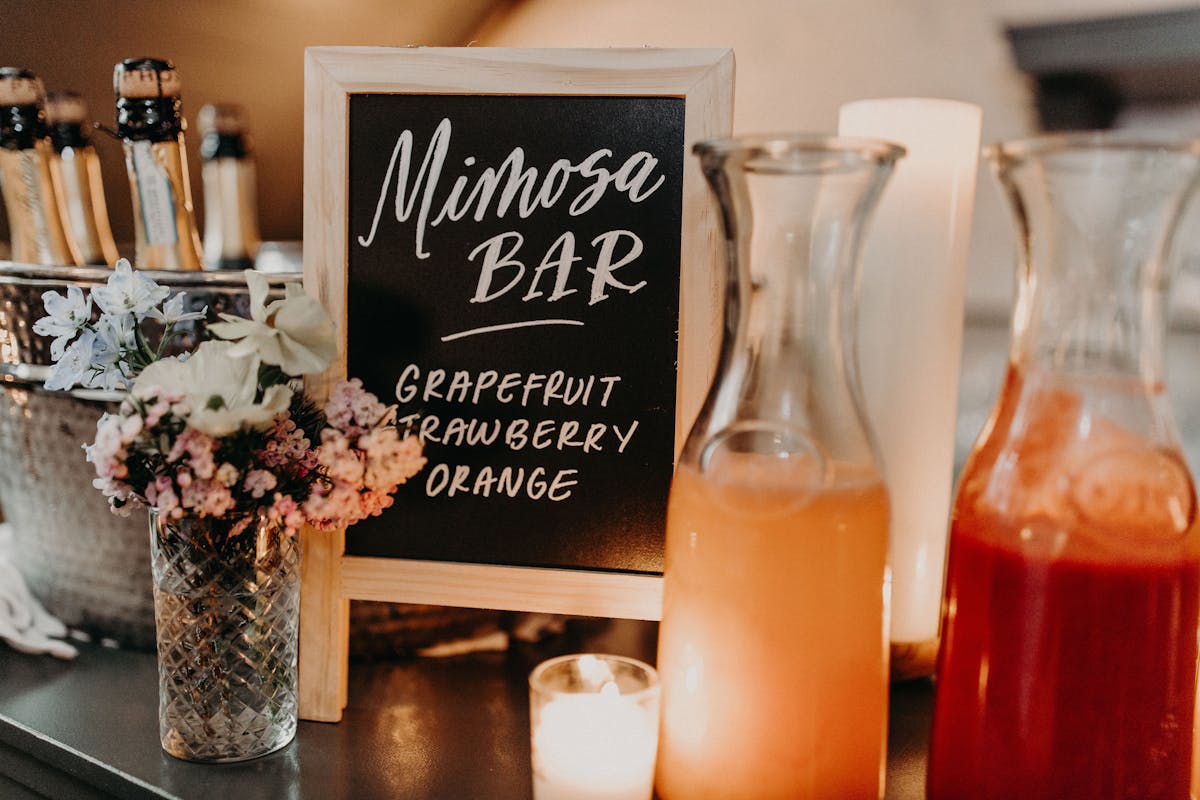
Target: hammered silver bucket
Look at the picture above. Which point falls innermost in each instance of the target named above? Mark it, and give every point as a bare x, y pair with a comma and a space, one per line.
88, 566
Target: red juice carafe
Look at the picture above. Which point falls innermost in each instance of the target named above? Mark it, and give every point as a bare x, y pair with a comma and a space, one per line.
1068, 666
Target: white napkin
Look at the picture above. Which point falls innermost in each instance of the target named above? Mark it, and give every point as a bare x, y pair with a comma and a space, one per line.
24, 624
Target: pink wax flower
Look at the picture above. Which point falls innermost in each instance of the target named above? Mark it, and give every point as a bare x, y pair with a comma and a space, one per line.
287, 511
259, 482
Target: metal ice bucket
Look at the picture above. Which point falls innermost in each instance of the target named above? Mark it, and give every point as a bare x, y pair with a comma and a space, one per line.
88, 566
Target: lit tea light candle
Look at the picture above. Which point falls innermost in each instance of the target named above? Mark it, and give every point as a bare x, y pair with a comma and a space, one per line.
594, 728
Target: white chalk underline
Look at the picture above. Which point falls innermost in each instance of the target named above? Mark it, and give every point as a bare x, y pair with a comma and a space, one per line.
509, 326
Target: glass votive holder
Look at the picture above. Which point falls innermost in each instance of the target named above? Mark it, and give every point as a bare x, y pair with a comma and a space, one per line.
594, 728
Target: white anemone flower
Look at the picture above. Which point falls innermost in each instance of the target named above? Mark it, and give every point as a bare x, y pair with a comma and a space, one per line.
220, 387
295, 334
129, 292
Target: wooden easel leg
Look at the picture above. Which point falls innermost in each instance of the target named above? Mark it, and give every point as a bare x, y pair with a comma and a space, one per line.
324, 628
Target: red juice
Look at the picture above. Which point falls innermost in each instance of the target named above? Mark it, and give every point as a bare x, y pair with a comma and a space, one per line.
1069, 655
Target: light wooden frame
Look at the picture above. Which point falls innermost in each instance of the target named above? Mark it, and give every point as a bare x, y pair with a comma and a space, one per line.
704, 77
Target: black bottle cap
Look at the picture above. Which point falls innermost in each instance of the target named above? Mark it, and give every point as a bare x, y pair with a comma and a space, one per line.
148, 103
223, 131
66, 115
22, 118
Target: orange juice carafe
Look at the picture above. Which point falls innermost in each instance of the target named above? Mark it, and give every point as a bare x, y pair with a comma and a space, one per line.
1069, 641
773, 646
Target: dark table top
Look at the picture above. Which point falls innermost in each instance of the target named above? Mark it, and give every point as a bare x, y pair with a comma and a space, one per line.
454, 728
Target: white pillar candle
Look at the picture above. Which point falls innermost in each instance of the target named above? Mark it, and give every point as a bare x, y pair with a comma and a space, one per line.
594, 728
910, 334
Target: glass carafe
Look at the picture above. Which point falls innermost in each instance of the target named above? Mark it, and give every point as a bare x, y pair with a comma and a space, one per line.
1069, 649
773, 647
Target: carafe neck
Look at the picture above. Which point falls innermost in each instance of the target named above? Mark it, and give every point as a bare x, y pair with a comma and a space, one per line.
793, 212
1095, 216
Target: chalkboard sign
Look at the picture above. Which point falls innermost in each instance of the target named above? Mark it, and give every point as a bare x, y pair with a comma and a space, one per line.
517, 254
514, 286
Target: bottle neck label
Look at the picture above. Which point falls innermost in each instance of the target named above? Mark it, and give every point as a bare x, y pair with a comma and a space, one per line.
155, 195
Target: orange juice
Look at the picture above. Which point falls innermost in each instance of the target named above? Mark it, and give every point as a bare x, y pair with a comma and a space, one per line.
773, 649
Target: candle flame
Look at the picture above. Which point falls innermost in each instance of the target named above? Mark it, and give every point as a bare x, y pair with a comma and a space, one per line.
595, 673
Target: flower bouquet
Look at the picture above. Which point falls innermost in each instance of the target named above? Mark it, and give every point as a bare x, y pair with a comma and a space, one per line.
232, 458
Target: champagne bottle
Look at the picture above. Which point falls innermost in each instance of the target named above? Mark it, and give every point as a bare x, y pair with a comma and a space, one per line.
151, 124
76, 168
35, 215
230, 199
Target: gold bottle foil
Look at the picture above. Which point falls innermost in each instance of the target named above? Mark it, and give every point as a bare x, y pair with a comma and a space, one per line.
77, 170
231, 235
35, 216
162, 206
227, 170
150, 122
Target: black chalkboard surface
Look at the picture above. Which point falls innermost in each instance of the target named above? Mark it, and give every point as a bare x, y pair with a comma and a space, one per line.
513, 279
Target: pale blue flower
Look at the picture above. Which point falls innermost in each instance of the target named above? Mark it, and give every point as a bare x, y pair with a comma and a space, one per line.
172, 312
110, 378
66, 316
115, 338
129, 292
117, 331
74, 363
